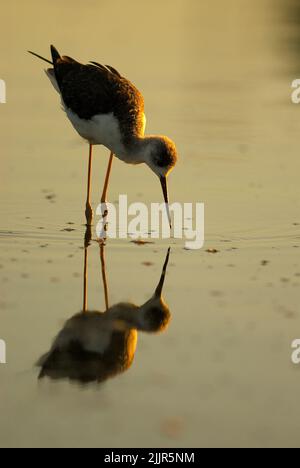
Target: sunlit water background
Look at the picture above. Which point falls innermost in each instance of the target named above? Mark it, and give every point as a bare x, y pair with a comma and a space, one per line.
217, 81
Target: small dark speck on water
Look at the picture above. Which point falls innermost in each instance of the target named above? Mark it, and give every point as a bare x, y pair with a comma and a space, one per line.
213, 251
265, 262
148, 264
217, 293
290, 315
68, 230
284, 280
54, 280
141, 242
50, 196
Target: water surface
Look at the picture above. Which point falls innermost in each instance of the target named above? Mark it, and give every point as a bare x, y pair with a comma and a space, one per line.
218, 82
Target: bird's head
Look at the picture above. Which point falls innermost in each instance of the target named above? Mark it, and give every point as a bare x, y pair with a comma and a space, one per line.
155, 315
161, 156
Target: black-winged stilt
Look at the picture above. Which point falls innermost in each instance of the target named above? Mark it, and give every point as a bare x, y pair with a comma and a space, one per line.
107, 109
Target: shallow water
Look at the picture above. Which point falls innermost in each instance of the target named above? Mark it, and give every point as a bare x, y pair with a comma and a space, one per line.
218, 83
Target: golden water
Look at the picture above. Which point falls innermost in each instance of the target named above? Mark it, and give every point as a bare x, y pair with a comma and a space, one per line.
218, 82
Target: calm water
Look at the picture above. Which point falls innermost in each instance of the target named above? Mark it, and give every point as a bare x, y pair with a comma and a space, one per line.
218, 83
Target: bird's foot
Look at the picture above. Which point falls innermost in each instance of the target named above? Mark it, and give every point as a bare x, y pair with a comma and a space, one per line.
104, 209
102, 241
89, 214
88, 236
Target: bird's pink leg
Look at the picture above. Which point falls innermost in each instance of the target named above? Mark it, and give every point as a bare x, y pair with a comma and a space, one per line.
104, 192
88, 209
104, 208
108, 171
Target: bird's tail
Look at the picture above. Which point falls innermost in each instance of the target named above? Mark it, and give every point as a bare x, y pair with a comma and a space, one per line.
50, 72
40, 57
54, 53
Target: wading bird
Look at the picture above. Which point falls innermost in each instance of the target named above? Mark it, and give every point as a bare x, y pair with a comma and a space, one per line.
107, 109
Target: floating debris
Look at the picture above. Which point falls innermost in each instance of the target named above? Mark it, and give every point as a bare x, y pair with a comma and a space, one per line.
54, 280
213, 251
216, 293
141, 242
284, 280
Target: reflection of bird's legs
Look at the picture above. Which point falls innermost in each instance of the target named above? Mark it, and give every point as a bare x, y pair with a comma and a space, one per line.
85, 278
87, 241
104, 278
88, 208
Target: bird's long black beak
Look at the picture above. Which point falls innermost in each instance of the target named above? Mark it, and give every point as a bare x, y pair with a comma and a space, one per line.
158, 291
164, 185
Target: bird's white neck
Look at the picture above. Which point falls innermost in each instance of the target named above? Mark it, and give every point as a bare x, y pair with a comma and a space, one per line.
139, 150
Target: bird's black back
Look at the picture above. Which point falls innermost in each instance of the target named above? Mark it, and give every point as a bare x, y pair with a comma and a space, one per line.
94, 89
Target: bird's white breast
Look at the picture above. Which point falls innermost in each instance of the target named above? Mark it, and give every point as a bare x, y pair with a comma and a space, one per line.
101, 129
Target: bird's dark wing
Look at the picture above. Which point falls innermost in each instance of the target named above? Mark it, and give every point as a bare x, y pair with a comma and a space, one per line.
107, 67
94, 89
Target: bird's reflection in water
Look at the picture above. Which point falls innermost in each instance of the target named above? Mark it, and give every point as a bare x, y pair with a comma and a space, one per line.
94, 346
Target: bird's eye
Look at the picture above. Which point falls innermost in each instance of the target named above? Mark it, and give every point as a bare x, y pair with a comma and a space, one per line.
161, 161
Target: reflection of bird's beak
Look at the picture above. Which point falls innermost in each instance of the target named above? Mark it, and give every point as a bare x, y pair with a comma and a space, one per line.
160, 286
164, 185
